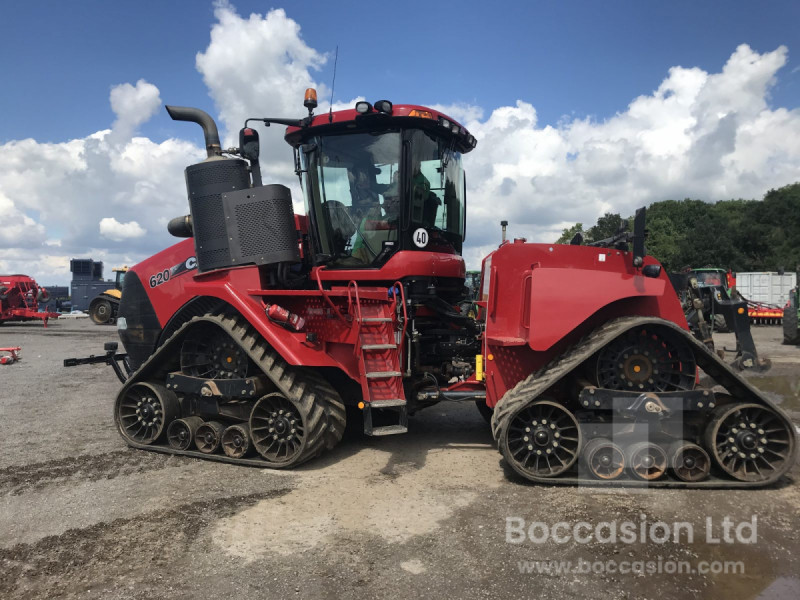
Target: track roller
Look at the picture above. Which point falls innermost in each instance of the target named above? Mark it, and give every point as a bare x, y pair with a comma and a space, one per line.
688, 461
236, 441
604, 459
208, 436
180, 433
750, 442
542, 439
647, 461
144, 412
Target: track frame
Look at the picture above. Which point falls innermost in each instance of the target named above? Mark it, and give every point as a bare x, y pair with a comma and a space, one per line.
536, 385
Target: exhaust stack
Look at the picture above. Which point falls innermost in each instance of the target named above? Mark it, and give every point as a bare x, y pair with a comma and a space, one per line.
233, 222
202, 118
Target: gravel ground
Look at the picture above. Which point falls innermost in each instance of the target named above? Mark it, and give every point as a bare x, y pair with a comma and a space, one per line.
420, 515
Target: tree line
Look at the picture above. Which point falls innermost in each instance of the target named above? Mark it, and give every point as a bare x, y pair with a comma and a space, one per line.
742, 235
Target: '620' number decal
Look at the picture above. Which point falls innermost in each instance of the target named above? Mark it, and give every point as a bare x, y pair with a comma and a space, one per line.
159, 278
164, 276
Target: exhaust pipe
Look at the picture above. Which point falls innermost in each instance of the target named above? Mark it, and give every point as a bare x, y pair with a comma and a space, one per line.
202, 118
181, 226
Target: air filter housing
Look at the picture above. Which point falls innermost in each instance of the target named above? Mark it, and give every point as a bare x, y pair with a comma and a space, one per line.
260, 225
206, 182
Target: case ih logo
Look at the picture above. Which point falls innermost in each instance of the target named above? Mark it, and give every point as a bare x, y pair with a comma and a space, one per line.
157, 279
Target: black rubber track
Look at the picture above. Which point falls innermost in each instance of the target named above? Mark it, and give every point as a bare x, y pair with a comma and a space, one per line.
324, 409
530, 389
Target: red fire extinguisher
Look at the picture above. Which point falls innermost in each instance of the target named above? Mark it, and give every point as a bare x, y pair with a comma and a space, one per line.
281, 315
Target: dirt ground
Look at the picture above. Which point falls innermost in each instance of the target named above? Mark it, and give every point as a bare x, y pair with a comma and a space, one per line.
422, 515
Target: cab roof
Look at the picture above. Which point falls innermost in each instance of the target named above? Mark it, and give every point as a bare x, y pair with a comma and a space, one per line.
361, 118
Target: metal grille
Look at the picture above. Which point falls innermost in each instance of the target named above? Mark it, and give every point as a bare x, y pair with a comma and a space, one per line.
222, 171
209, 220
260, 225
257, 224
213, 258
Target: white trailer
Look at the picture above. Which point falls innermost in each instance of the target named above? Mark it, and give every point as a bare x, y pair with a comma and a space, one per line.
766, 287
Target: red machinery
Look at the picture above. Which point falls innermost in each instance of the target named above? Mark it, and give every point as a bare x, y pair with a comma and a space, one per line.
248, 342
8, 356
764, 314
19, 300
760, 313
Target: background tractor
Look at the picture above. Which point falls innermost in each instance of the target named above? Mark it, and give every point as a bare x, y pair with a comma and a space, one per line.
257, 337
711, 303
104, 308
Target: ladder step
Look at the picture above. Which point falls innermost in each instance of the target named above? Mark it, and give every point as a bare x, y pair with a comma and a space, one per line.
383, 374
378, 346
389, 430
376, 320
387, 403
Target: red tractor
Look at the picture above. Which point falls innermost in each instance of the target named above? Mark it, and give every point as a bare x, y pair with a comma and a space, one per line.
249, 341
19, 300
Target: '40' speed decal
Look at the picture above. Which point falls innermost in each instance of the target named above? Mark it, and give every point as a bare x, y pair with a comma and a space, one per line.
157, 279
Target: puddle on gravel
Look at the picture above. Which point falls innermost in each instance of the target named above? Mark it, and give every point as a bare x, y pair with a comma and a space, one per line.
787, 388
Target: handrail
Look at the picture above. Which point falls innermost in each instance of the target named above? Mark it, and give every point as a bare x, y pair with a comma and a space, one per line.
352, 284
405, 312
328, 300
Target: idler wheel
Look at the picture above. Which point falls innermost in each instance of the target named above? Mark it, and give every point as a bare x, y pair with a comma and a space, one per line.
180, 433
542, 439
688, 461
144, 411
604, 459
646, 359
278, 429
647, 461
208, 436
750, 442
236, 441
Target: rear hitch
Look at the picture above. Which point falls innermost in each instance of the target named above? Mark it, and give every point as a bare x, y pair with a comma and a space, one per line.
110, 358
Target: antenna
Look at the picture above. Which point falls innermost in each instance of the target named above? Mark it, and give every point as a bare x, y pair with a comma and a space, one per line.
333, 83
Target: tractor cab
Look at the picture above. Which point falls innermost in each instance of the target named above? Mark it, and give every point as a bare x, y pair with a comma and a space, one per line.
381, 179
119, 276
712, 277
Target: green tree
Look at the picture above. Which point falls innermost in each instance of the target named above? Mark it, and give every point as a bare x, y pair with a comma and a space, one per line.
665, 242
743, 235
606, 226
569, 233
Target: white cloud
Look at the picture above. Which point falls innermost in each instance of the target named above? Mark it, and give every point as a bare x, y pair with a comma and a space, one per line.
17, 228
258, 66
114, 230
699, 134
702, 135
133, 106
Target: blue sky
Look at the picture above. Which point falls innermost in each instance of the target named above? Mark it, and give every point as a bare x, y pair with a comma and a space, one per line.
587, 58
579, 108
